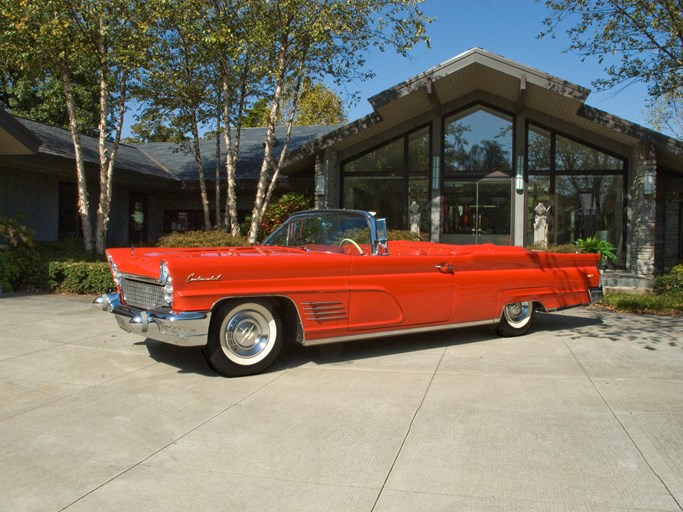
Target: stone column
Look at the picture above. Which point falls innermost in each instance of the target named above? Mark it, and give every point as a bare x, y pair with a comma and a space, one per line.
640, 256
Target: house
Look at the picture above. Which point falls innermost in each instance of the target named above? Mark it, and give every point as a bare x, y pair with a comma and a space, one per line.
479, 149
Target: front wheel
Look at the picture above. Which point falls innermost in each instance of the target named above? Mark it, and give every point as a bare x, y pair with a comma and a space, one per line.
516, 319
244, 338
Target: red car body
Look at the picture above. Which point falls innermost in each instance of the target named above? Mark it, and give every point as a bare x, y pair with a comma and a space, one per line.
242, 303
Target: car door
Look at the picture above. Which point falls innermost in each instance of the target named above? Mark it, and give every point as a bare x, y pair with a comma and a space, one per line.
396, 291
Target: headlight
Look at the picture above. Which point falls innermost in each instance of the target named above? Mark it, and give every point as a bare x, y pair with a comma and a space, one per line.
165, 279
116, 275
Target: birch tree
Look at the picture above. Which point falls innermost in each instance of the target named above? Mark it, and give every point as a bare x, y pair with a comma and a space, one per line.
177, 79
305, 39
67, 37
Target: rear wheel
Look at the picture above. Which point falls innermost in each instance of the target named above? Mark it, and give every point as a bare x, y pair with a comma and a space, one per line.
245, 338
516, 319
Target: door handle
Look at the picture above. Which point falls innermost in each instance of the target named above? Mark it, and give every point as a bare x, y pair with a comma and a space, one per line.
445, 268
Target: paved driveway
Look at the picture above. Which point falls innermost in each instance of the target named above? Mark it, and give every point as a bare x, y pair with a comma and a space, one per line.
584, 413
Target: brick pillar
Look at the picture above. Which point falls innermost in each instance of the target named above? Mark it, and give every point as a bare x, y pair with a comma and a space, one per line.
641, 212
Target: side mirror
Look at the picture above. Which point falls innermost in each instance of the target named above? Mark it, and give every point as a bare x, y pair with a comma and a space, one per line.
381, 244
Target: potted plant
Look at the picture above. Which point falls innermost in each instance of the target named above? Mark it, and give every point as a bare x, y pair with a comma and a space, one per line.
605, 249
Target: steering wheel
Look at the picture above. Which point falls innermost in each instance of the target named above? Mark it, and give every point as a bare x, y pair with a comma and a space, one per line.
352, 242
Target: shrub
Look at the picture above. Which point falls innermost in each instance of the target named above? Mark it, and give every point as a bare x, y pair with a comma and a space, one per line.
671, 282
84, 277
20, 263
215, 238
280, 210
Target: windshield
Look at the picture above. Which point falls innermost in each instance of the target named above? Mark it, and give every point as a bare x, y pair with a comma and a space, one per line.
321, 229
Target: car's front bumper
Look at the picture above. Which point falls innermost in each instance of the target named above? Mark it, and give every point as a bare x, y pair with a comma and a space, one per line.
187, 329
596, 294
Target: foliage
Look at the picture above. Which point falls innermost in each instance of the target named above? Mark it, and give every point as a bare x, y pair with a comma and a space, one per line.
21, 268
14, 233
81, 42
670, 282
319, 105
605, 249
665, 114
39, 97
80, 277
637, 40
152, 126
257, 115
213, 238
281, 210
669, 303
564, 248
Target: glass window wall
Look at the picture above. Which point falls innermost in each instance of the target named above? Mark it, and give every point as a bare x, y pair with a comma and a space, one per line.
575, 191
392, 180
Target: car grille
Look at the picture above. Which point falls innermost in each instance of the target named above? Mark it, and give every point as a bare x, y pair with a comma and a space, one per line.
141, 294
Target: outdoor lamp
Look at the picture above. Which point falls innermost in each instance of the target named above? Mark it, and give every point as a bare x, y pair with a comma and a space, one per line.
320, 184
519, 177
649, 182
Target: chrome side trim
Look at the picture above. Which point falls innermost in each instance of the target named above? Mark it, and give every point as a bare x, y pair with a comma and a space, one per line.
384, 334
321, 311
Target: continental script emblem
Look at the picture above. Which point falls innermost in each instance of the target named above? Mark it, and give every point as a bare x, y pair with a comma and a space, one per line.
193, 277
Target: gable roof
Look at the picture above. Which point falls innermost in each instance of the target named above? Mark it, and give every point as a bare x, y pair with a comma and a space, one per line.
15, 139
478, 74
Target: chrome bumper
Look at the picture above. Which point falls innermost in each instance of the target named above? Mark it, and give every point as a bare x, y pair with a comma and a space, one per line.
596, 294
186, 329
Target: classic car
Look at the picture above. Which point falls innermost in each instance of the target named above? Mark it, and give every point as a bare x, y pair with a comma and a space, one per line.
328, 276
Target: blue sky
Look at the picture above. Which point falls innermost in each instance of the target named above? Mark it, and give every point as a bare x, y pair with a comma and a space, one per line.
508, 28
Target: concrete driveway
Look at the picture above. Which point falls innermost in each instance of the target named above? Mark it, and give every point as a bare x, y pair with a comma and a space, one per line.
584, 413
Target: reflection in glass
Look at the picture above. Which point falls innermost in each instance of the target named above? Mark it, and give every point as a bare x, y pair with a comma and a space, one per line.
477, 212
478, 140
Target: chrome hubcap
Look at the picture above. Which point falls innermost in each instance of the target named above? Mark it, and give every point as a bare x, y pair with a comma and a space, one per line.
246, 334
518, 313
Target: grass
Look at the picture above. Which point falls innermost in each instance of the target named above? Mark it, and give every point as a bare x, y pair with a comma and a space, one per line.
669, 303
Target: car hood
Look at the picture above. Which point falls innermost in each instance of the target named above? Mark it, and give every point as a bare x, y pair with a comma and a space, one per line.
146, 261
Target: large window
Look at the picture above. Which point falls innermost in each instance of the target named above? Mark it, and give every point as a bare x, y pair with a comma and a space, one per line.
392, 180
477, 194
478, 140
575, 191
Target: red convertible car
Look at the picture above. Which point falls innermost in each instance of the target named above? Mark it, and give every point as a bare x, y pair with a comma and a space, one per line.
327, 276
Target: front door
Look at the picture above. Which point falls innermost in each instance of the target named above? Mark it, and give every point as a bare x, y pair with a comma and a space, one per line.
400, 290
477, 212
137, 220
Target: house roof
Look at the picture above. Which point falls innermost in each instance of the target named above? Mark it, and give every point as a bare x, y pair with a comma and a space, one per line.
476, 75
179, 160
161, 160
15, 139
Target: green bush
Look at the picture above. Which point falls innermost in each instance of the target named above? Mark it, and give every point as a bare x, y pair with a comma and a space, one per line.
215, 238
670, 303
280, 210
20, 263
21, 268
83, 277
671, 282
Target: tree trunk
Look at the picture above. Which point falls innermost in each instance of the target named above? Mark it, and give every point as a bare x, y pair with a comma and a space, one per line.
83, 202
200, 172
230, 162
269, 147
218, 171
